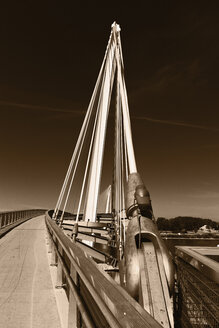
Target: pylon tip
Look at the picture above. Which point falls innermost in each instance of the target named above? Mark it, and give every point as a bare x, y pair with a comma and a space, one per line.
116, 27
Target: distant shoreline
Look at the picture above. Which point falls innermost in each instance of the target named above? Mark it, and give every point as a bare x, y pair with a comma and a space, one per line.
190, 235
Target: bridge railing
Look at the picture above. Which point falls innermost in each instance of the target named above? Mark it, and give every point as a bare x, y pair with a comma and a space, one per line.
95, 299
198, 283
10, 217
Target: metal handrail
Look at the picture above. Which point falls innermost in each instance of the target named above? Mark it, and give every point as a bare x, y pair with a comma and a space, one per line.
9, 217
110, 300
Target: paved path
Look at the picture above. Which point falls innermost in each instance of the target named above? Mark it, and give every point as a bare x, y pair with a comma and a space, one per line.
27, 298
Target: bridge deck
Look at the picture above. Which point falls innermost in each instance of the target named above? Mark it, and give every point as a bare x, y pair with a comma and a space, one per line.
27, 297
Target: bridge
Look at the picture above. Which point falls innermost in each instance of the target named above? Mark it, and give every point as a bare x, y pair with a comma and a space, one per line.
103, 264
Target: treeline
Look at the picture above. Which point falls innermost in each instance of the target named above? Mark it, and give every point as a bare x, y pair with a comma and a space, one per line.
185, 223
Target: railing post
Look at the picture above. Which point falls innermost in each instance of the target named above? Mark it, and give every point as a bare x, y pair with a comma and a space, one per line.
7, 218
73, 313
49, 241
60, 275
53, 253
3, 219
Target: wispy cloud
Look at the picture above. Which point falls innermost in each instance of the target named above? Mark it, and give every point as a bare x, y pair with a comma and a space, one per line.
172, 78
204, 195
82, 113
42, 108
175, 123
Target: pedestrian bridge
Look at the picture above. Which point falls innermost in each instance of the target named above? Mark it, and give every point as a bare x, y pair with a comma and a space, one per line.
42, 284
109, 269
47, 281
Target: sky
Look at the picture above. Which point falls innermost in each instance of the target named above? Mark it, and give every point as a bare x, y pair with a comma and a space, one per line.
51, 52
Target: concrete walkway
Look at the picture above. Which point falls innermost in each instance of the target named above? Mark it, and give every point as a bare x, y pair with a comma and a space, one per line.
27, 298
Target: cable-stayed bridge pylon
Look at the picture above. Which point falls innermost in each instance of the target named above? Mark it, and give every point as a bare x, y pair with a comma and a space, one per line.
123, 239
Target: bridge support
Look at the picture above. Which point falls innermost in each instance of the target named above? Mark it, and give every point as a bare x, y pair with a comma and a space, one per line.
60, 275
149, 269
53, 259
73, 312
